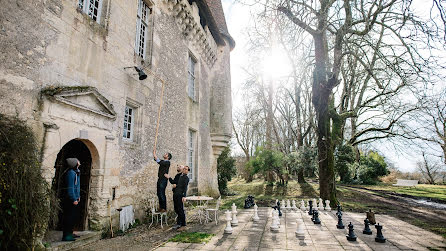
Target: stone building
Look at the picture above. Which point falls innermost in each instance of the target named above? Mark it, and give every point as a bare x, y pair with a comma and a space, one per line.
67, 67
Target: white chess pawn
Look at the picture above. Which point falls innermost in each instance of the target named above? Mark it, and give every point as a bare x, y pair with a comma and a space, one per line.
300, 233
282, 204
321, 205
302, 205
234, 221
327, 205
228, 229
294, 207
288, 205
256, 216
274, 227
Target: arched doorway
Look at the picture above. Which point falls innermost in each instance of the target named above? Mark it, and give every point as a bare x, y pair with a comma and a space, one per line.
74, 149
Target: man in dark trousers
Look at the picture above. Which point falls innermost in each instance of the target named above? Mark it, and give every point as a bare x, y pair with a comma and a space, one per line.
71, 198
179, 197
162, 180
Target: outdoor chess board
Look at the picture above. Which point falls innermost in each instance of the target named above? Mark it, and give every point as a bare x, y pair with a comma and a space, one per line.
249, 235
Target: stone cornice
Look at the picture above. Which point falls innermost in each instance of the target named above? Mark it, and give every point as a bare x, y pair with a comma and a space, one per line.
188, 19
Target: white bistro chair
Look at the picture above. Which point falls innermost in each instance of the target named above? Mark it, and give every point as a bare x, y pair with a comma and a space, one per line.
213, 210
155, 214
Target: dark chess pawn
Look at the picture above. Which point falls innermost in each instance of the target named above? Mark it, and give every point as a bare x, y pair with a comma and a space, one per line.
316, 217
340, 225
379, 234
367, 229
310, 212
351, 233
339, 209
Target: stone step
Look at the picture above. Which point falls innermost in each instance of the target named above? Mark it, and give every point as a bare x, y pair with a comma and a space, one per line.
86, 237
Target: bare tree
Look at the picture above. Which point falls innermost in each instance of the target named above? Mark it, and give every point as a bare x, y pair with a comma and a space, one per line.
430, 170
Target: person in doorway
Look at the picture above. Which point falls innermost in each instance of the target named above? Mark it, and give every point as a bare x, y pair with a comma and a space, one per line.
162, 180
71, 199
179, 197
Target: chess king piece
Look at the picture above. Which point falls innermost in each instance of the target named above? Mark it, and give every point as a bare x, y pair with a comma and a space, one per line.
367, 229
294, 207
316, 218
310, 211
228, 229
321, 205
300, 233
351, 233
256, 216
234, 221
371, 217
327, 205
379, 234
340, 225
274, 226
302, 205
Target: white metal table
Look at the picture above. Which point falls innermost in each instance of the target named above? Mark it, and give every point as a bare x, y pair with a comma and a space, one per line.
201, 204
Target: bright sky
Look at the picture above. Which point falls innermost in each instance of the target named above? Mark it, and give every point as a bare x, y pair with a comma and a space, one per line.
237, 18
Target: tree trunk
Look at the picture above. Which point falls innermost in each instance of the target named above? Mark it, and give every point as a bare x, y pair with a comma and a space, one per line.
300, 176
269, 127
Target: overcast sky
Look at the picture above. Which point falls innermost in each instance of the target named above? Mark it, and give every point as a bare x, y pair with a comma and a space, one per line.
237, 18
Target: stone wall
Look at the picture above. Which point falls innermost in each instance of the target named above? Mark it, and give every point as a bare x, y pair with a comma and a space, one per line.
48, 44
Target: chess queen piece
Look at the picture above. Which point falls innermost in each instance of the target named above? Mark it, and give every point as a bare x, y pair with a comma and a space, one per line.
367, 229
379, 234
256, 216
274, 226
310, 211
327, 205
351, 233
228, 229
340, 225
234, 221
300, 233
321, 205
316, 219
302, 205
294, 207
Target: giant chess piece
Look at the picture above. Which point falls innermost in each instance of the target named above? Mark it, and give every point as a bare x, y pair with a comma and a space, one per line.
312, 216
327, 205
228, 229
351, 233
255, 218
314, 203
300, 233
316, 219
310, 211
278, 209
379, 234
283, 205
339, 209
288, 205
277, 218
294, 207
321, 205
340, 225
367, 229
371, 217
274, 226
302, 205
234, 221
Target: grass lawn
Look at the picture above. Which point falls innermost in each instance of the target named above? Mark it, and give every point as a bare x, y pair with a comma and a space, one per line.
422, 190
192, 237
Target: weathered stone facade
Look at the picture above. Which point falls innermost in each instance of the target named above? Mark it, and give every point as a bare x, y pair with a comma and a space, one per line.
64, 74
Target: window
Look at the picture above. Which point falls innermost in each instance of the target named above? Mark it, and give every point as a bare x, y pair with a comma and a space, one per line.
191, 153
91, 7
191, 77
142, 28
129, 123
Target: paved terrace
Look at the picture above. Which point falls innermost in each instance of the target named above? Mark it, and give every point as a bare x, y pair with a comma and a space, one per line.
250, 235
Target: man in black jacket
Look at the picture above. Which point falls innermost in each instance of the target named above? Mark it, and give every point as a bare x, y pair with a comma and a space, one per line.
174, 181
179, 197
162, 180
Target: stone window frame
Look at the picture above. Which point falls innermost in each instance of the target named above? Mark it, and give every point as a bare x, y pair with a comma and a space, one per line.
137, 122
192, 153
87, 7
146, 57
194, 75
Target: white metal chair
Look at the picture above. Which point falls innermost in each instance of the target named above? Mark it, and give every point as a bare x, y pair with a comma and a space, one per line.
213, 210
154, 213
201, 210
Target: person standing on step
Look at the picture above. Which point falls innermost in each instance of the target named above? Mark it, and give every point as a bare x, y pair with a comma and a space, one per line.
162, 180
71, 198
179, 197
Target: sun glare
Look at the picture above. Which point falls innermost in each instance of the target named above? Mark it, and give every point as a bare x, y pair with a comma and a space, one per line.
276, 64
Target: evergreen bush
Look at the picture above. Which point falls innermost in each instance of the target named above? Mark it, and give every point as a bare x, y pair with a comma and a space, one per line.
225, 170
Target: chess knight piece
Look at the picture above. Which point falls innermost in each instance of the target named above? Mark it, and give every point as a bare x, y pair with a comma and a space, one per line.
367, 229
351, 233
379, 234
